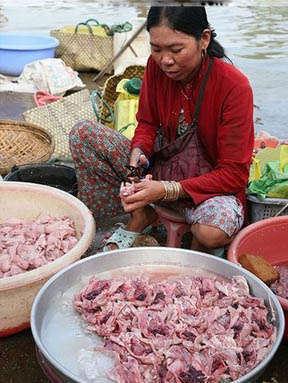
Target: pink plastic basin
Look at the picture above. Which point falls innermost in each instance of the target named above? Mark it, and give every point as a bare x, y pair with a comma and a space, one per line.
267, 238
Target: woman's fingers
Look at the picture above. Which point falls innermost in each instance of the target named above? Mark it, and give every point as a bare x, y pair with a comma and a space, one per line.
146, 192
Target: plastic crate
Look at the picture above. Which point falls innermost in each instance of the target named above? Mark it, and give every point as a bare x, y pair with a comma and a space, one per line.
269, 207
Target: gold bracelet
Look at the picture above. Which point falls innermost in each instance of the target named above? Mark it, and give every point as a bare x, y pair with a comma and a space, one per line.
172, 190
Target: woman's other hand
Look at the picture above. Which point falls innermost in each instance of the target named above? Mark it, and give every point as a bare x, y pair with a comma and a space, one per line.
135, 153
138, 158
145, 192
140, 161
143, 161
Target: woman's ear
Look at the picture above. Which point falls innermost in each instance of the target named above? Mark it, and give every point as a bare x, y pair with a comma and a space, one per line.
206, 38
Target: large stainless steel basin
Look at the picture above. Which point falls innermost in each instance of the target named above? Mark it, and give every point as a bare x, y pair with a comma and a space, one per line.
51, 330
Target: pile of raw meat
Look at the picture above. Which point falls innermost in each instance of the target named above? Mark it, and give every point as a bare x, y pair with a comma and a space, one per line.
26, 245
280, 287
191, 330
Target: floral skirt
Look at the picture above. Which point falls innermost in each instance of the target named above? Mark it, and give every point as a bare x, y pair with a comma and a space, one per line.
100, 155
224, 212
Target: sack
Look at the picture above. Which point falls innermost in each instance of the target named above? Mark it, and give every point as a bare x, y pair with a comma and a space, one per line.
86, 47
59, 117
183, 158
273, 180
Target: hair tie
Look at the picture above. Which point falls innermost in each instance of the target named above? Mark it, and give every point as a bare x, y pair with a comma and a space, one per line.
213, 33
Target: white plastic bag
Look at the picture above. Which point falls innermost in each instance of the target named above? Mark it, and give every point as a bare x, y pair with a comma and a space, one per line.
50, 75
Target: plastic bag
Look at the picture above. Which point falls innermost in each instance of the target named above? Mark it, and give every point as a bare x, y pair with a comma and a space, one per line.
49, 75
261, 158
264, 139
125, 109
273, 182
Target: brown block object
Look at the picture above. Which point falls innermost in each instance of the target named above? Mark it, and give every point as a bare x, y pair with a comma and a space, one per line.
260, 267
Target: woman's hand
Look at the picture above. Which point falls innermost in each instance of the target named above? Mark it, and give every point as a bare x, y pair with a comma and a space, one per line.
135, 153
145, 192
137, 158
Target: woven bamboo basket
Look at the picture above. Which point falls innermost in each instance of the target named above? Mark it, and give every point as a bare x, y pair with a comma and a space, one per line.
60, 116
109, 90
23, 143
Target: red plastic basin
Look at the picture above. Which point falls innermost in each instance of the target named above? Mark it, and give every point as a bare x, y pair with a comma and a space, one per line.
268, 238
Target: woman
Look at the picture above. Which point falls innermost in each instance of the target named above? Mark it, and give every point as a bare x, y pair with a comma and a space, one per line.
187, 89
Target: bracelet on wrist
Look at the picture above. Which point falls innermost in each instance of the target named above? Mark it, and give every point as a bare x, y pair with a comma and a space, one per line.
172, 190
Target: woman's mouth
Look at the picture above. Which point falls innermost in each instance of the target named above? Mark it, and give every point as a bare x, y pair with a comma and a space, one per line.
172, 74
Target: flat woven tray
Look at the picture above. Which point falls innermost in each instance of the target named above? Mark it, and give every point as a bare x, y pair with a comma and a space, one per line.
59, 117
23, 143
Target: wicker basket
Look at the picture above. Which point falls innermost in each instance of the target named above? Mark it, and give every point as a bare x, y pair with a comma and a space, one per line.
109, 91
60, 116
23, 143
269, 207
83, 52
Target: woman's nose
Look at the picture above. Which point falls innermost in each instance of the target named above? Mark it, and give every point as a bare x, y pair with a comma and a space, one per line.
167, 60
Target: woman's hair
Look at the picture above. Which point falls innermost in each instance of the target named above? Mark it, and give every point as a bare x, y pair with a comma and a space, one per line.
191, 20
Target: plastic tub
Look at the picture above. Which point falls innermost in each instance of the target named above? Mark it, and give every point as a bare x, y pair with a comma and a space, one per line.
59, 176
17, 50
27, 201
267, 238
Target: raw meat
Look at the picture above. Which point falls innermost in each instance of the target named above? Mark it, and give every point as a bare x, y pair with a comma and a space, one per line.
191, 330
280, 287
26, 245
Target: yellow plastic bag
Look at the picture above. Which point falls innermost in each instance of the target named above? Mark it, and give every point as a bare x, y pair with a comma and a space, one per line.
125, 109
264, 155
97, 30
269, 173
283, 157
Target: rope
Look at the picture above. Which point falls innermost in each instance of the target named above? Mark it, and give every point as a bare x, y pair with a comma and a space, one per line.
120, 28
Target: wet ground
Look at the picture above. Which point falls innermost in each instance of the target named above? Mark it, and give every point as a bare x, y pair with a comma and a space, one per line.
18, 363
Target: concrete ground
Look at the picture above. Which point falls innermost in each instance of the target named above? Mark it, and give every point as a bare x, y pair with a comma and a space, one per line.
18, 363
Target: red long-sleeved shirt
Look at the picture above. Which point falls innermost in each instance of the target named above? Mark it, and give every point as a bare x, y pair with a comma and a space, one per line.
225, 124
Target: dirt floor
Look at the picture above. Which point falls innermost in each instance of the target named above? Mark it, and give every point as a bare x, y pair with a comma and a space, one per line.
18, 363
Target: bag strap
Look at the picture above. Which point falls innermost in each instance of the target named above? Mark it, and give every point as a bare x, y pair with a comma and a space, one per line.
97, 94
86, 25
201, 93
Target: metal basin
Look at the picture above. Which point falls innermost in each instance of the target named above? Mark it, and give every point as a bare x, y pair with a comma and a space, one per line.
58, 341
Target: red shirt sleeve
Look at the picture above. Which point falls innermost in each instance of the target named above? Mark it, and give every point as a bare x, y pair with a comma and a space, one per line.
235, 140
147, 115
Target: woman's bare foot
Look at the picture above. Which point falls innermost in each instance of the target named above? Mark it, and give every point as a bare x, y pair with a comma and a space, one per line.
141, 218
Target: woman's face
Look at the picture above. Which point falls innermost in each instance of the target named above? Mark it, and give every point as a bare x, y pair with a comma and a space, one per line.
177, 53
